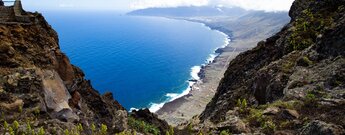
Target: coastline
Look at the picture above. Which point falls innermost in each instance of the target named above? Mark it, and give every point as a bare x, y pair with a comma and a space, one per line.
244, 33
196, 89
196, 71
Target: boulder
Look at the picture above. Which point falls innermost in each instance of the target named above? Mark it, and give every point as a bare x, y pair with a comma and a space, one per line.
120, 123
289, 114
56, 96
271, 111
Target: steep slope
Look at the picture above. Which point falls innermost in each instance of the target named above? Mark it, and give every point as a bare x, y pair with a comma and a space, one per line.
41, 92
39, 86
293, 78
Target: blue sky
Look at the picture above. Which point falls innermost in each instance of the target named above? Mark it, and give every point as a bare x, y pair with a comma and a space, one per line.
127, 5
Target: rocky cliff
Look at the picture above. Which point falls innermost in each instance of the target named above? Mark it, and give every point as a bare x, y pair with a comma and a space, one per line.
39, 88
293, 82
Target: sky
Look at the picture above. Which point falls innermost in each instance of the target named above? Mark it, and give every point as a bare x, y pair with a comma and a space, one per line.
128, 5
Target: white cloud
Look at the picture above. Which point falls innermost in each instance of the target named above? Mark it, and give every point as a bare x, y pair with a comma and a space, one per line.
140, 4
267, 5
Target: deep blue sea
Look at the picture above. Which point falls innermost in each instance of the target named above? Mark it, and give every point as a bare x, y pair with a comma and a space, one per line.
144, 61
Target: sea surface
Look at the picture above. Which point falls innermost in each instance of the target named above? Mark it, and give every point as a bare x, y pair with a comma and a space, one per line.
144, 61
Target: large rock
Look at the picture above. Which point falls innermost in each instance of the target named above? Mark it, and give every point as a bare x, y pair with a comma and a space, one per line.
321, 128
56, 96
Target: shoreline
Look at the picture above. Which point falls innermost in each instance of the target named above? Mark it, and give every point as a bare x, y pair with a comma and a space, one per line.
196, 71
213, 60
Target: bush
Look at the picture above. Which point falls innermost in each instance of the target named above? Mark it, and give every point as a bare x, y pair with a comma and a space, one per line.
307, 27
225, 132
268, 127
142, 126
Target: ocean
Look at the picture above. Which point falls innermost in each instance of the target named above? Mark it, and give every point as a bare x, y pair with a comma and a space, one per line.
144, 61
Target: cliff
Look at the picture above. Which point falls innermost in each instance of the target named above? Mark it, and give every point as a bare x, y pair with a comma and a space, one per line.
291, 83
39, 87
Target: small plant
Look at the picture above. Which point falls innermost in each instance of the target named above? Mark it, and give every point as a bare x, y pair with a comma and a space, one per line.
268, 127
54, 132
80, 128
255, 117
93, 128
239, 103
242, 104
41, 131
104, 129
20, 109
190, 127
310, 99
5, 127
225, 132
66, 132
28, 128
15, 126
11, 131
171, 130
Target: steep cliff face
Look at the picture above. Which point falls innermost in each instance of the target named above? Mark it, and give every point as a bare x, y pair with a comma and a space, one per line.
39, 86
298, 72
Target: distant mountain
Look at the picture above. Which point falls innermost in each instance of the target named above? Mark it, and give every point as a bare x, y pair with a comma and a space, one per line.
190, 11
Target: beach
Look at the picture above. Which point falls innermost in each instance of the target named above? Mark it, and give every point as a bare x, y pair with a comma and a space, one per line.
243, 36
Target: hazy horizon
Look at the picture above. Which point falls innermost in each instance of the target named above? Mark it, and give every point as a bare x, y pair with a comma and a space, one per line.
129, 5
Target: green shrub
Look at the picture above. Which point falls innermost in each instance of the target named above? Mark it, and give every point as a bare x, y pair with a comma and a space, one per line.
80, 128
268, 127
41, 131
66, 132
310, 99
307, 27
104, 129
93, 128
255, 117
171, 130
142, 126
225, 132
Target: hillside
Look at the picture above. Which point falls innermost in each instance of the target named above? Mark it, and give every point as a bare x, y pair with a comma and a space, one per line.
291, 83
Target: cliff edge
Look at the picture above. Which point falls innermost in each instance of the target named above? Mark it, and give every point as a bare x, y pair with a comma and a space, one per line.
40, 88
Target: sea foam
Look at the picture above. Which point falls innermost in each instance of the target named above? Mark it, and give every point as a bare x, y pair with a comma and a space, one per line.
154, 107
